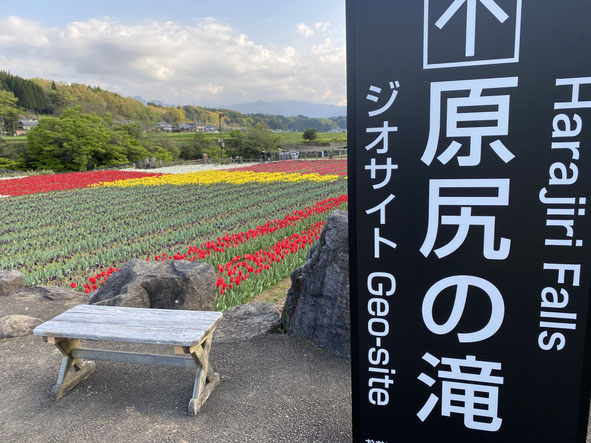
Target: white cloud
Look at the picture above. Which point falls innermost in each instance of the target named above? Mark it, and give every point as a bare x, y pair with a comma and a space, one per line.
305, 30
208, 63
322, 26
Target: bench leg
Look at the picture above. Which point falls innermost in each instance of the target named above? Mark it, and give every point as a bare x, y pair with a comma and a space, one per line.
205, 379
72, 370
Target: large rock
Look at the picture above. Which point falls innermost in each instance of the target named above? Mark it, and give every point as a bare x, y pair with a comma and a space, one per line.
17, 325
10, 281
44, 302
247, 321
51, 293
170, 284
317, 305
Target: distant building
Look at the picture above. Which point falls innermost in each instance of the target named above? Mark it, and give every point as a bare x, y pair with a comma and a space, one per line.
26, 125
184, 127
164, 127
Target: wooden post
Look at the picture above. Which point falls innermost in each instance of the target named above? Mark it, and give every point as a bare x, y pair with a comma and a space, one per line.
205, 378
72, 370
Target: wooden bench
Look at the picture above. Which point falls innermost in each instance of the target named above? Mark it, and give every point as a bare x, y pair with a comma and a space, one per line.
188, 332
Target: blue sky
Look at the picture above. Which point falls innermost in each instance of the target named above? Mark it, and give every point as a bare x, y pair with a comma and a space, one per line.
265, 21
211, 53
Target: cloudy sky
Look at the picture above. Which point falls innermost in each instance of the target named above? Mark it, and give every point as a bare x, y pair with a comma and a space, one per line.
210, 53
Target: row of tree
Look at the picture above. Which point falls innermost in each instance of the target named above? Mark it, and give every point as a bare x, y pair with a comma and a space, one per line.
29, 94
47, 97
78, 141
86, 127
9, 111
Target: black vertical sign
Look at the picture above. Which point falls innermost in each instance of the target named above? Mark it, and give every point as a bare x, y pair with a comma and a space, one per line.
470, 187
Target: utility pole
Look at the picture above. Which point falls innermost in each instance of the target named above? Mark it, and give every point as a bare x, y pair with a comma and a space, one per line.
221, 141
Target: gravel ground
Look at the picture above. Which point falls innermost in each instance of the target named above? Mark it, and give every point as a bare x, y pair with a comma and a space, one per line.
183, 169
273, 388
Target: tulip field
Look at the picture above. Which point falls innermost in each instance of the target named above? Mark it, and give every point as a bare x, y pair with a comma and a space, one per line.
59, 182
322, 167
254, 224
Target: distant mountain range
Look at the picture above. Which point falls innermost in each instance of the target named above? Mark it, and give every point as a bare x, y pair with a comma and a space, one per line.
145, 102
286, 108
291, 108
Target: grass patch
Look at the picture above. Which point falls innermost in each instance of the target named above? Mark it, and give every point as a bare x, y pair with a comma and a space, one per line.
276, 294
286, 137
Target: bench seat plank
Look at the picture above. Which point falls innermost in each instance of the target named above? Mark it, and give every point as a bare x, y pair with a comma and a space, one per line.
150, 323
144, 312
135, 325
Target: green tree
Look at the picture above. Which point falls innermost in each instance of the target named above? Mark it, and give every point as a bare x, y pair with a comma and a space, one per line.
250, 144
161, 147
73, 142
8, 111
262, 137
130, 137
10, 165
162, 154
56, 101
175, 115
7, 163
15, 151
30, 95
235, 145
193, 149
310, 135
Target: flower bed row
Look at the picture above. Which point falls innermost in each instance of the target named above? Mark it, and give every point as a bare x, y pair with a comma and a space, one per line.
218, 176
267, 267
59, 182
54, 237
321, 167
285, 171
273, 250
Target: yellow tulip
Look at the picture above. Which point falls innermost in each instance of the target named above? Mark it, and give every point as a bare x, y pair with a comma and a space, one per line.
218, 176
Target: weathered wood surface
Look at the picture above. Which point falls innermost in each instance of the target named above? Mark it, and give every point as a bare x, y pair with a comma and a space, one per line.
136, 325
105, 319
189, 332
136, 358
66, 346
196, 402
205, 379
73, 379
73, 370
146, 312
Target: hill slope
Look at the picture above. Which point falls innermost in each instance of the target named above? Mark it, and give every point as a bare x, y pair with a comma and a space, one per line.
46, 97
291, 109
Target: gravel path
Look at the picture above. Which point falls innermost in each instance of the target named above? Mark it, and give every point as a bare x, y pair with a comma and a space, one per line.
10, 178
